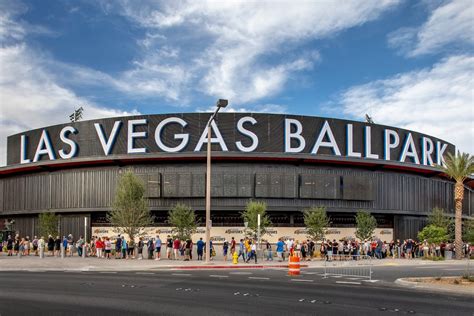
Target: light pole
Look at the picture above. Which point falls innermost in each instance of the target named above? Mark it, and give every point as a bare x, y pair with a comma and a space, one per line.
221, 103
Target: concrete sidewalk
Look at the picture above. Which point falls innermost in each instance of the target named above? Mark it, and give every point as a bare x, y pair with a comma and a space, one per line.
30, 263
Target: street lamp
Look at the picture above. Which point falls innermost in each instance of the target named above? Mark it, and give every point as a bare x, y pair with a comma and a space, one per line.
221, 103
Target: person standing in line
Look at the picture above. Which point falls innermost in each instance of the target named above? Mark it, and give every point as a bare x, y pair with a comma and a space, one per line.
108, 247
124, 248
247, 244
409, 248
157, 248
70, 245
280, 248
225, 248
176, 246
253, 252
99, 245
91, 247
150, 247
268, 247
41, 246
80, 246
21, 250
16, 246
35, 245
65, 244
131, 249
10, 245
191, 249
187, 250
57, 246
241, 250
140, 248
27, 246
118, 247
51, 245
169, 247
232, 246
200, 248
311, 246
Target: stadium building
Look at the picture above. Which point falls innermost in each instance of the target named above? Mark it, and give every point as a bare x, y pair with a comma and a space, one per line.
291, 162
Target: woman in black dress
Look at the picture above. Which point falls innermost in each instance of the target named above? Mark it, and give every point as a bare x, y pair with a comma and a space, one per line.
16, 246
51, 245
57, 246
10, 245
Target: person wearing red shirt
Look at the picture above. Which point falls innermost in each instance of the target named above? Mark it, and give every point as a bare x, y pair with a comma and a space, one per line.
176, 246
99, 246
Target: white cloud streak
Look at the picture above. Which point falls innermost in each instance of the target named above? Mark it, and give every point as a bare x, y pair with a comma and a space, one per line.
449, 24
438, 101
242, 34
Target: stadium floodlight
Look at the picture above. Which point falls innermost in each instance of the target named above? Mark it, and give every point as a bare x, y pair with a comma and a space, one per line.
76, 115
369, 119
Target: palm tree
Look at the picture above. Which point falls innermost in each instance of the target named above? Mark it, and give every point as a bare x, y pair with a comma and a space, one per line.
458, 167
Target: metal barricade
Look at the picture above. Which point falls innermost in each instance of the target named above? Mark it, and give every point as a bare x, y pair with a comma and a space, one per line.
348, 265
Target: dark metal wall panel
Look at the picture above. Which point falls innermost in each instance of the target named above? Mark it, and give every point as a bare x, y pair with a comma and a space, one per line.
275, 185
357, 188
408, 226
92, 189
37, 192
26, 226
14, 194
320, 187
74, 224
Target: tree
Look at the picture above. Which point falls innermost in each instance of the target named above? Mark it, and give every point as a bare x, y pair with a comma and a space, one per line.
469, 231
433, 234
130, 213
48, 224
183, 221
458, 167
316, 221
250, 216
366, 225
438, 218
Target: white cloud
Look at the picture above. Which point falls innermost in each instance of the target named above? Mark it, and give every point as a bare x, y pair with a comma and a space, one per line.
30, 97
259, 108
438, 101
448, 24
240, 35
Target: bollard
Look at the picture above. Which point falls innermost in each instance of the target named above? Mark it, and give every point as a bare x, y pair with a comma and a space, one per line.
41, 253
20, 254
294, 266
63, 251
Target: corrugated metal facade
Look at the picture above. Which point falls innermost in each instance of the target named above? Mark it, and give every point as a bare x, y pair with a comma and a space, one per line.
86, 190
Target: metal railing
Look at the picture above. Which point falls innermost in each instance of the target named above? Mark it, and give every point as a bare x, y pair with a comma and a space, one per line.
359, 266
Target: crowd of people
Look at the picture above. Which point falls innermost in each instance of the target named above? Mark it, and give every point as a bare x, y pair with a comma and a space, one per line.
245, 249
378, 249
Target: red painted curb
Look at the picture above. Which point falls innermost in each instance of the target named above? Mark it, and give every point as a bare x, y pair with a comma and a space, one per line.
233, 267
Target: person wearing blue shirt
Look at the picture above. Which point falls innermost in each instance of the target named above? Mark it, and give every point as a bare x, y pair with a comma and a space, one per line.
200, 247
64, 242
124, 248
280, 247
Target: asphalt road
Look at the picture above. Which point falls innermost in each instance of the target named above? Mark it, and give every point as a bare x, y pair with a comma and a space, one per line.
221, 292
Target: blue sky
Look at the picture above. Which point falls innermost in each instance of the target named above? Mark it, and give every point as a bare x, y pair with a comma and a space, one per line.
406, 63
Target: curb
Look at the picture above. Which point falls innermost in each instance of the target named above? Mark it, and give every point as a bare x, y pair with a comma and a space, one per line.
208, 267
162, 268
440, 289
